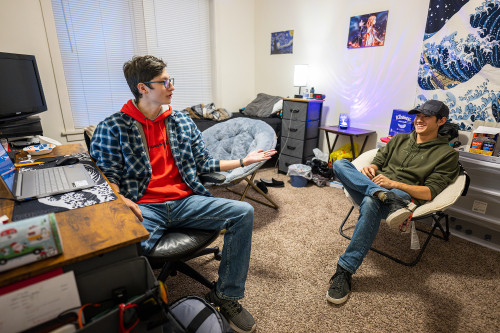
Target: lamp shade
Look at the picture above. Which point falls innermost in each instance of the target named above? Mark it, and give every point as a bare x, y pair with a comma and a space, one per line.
300, 75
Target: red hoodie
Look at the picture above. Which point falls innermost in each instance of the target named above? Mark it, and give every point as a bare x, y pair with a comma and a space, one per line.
166, 182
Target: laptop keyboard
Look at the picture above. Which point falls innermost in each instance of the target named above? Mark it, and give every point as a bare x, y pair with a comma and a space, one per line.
51, 180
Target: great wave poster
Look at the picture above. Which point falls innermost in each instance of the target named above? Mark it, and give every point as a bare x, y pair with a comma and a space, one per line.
460, 61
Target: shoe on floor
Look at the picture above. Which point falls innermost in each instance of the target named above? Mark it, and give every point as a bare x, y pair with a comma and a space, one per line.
261, 186
239, 318
399, 208
272, 183
340, 286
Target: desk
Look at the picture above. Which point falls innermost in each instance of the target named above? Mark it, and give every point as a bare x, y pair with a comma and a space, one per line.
350, 131
86, 232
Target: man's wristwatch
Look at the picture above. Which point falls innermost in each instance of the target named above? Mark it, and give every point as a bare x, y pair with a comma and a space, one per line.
241, 163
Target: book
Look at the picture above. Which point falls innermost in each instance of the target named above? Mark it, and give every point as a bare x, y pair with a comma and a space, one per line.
335, 184
29, 240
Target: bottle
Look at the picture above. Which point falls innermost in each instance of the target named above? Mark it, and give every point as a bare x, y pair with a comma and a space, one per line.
477, 142
488, 144
306, 93
311, 93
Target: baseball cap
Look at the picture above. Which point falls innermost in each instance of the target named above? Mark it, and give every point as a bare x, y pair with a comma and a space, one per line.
432, 108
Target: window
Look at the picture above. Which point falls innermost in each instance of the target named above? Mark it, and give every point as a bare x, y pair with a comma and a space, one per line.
96, 37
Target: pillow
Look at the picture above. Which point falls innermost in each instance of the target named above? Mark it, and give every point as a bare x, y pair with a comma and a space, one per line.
262, 106
278, 106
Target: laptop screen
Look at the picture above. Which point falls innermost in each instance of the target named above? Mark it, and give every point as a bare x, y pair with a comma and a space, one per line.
7, 169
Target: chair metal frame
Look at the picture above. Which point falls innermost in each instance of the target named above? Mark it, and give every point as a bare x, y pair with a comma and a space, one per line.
251, 184
436, 216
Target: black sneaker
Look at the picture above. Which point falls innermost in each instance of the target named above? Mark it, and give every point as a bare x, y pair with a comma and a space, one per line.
241, 320
399, 208
261, 186
340, 286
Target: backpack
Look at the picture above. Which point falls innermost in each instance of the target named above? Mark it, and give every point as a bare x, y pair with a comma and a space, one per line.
450, 130
193, 314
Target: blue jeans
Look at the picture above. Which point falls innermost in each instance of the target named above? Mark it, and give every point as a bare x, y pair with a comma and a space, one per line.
371, 212
208, 213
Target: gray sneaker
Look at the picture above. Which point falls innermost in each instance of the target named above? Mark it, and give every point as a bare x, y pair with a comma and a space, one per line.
399, 208
241, 320
340, 286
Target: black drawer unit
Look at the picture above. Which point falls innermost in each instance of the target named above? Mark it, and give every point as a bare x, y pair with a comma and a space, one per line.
300, 130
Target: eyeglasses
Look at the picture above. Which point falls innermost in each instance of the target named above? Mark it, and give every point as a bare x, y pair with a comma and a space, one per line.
168, 83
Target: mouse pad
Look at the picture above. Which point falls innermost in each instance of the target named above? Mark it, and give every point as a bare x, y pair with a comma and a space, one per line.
102, 192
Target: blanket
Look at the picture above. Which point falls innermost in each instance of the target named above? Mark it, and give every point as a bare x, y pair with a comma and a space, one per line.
208, 111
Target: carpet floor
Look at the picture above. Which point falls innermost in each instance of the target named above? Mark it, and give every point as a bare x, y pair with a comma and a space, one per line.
454, 288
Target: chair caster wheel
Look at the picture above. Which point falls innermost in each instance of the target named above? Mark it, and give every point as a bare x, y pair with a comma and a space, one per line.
217, 254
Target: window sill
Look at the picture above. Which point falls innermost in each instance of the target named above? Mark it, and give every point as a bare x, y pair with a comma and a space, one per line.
74, 135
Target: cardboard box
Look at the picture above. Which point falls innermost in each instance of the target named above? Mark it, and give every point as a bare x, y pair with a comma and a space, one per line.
487, 143
401, 122
29, 240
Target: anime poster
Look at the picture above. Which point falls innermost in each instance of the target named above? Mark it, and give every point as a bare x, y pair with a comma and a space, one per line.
460, 60
282, 42
367, 30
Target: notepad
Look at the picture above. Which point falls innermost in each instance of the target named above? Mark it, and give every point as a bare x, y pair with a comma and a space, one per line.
38, 303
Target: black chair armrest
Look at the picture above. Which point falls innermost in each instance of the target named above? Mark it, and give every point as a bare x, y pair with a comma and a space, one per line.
212, 178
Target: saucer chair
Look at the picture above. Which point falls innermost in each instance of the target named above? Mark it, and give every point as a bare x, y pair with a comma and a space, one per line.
234, 139
432, 209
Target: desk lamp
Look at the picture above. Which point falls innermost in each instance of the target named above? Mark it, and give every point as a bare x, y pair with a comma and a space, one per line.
300, 76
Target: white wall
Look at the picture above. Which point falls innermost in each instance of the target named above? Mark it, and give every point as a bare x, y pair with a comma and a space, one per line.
234, 53
366, 83
22, 31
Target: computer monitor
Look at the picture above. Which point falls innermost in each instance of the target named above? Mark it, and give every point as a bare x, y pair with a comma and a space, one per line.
21, 92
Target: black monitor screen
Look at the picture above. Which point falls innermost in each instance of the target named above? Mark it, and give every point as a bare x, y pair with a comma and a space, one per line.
21, 92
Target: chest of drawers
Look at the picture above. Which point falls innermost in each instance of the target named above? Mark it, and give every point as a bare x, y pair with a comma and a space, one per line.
300, 130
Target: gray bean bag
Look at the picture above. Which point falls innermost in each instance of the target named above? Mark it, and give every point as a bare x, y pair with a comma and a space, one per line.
234, 139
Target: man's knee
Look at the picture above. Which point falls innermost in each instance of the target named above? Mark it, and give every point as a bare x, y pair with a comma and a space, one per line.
341, 162
245, 208
340, 165
370, 205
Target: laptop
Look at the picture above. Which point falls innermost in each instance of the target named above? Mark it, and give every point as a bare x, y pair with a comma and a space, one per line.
42, 182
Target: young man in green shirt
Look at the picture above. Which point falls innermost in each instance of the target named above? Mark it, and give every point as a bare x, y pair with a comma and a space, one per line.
410, 170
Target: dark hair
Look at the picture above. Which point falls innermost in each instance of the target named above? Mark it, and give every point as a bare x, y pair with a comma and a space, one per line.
142, 69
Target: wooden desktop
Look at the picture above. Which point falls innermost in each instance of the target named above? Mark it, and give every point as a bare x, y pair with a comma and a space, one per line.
86, 233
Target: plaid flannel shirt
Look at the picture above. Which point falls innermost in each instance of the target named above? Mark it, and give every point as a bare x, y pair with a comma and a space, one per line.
121, 153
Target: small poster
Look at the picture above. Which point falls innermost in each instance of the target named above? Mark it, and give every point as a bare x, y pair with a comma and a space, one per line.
401, 122
282, 42
367, 30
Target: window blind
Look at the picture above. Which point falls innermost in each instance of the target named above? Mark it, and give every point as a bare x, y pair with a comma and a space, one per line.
96, 37
179, 32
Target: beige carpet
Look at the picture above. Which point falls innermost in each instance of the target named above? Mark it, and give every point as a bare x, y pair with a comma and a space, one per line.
454, 288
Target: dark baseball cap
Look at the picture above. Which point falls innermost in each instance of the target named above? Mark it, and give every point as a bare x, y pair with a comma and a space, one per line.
432, 108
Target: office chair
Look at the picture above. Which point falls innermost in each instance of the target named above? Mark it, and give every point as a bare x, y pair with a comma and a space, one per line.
432, 209
234, 139
179, 245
